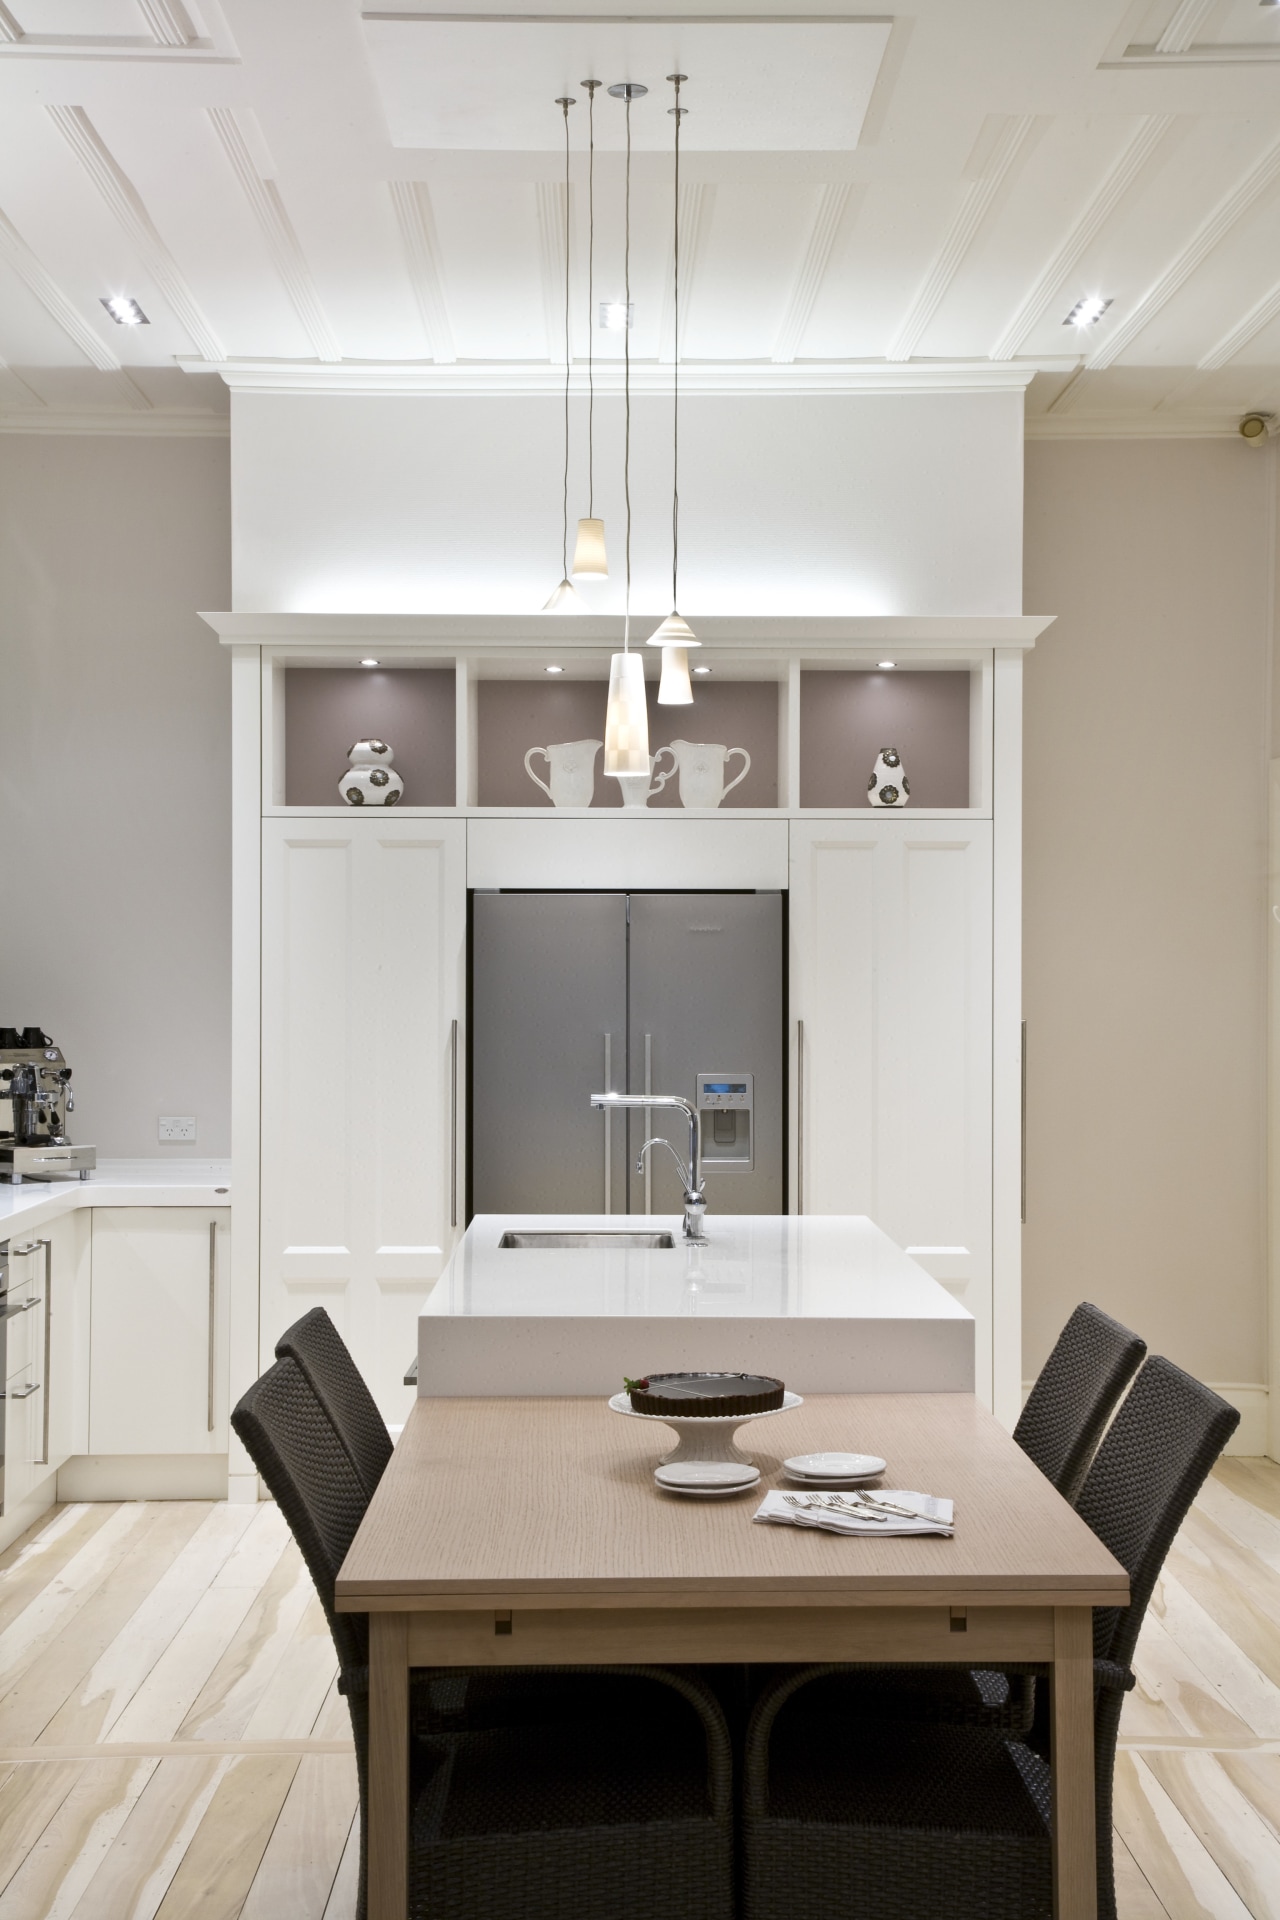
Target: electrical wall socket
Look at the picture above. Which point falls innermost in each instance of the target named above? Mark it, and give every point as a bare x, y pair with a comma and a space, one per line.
177, 1126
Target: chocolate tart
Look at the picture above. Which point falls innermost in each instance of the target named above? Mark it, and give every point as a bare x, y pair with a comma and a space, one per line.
706, 1396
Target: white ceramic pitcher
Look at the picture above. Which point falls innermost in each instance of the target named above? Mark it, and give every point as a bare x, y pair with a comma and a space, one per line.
636, 791
573, 771
701, 767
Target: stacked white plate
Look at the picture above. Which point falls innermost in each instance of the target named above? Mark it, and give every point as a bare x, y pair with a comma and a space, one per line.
832, 1469
707, 1479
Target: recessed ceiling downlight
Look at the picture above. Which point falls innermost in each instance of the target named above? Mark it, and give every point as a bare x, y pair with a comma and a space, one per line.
125, 312
701, 669
1087, 312
886, 666
553, 669
368, 663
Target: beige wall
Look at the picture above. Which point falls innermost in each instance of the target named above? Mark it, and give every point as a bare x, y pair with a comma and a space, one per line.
1145, 917
115, 775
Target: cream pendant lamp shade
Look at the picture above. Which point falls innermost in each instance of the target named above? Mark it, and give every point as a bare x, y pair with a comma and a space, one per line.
674, 632
675, 688
590, 562
626, 720
565, 599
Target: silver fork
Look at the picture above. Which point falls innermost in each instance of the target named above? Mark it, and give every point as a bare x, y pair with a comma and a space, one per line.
829, 1502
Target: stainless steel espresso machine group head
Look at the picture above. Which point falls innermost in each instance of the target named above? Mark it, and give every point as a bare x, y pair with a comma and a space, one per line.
35, 1099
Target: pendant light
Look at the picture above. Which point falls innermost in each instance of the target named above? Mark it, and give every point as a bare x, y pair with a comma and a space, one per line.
590, 561
675, 636
626, 725
565, 599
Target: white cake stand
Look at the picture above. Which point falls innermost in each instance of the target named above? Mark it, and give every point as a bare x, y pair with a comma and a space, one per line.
709, 1437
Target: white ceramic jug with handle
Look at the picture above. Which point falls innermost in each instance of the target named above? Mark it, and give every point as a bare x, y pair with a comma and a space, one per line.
572, 766
702, 766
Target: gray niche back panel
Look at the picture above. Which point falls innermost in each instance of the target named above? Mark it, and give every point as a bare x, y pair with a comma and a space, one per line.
846, 717
327, 709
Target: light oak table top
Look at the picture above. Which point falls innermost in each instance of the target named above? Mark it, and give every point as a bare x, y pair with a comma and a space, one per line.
551, 1503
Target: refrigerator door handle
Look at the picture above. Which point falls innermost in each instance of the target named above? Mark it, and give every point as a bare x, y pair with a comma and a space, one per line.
648, 1087
608, 1125
799, 1116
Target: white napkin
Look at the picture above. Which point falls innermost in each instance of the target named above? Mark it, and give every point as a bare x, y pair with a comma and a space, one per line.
935, 1516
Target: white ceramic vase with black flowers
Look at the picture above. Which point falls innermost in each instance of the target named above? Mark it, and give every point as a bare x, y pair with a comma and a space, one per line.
888, 785
371, 780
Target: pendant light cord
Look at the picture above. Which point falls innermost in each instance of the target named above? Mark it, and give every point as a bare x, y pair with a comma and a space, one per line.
591, 86
626, 335
565, 104
679, 113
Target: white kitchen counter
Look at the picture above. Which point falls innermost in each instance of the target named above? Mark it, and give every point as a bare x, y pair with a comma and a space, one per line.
828, 1303
116, 1183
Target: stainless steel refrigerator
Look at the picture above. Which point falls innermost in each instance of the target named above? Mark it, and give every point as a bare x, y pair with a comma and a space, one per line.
579, 993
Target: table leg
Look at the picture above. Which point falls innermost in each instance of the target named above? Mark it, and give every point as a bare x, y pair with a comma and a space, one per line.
388, 1809
1075, 1882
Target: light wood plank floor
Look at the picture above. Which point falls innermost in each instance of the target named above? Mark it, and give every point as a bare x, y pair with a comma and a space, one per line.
172, 1744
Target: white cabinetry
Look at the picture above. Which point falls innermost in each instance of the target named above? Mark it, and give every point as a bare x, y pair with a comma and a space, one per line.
363, 969
891, 955
158, 1369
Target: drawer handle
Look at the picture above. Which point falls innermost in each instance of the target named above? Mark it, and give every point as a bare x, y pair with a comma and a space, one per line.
24, 1393
213, 1299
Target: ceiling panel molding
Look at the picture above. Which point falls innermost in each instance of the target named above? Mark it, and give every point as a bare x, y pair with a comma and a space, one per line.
1117, 181
125, 202
961, 234
649, 377
15, 250
1260, 315
168, 22
9, 28
553, 224
412, 202
172, 425
697, 207
268, 210
1133, 425
7, 373
1228, 213
1188, 18
832, 201
1208, 54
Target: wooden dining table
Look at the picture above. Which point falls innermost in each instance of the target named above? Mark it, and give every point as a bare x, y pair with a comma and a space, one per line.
527, 1532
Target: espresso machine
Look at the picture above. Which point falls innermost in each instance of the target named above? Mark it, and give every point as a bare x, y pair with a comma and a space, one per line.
35, 1099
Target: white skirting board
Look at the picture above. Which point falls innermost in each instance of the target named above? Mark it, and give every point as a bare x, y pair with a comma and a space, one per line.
1250, 1437
144, 1476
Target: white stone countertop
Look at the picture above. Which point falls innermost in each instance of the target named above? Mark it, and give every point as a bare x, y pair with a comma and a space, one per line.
829, 1302
116, 1183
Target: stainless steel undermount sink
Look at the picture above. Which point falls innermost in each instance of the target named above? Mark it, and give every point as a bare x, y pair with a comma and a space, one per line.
601, 1237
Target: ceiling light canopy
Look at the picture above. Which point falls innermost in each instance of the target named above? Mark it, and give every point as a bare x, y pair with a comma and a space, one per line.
125, 312
1087, 312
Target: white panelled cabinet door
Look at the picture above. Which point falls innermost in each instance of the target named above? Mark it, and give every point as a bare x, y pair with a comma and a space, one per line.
891, 953
363, 968
158, 1335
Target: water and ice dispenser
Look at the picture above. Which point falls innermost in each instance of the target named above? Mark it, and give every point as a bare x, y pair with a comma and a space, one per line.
726, 1105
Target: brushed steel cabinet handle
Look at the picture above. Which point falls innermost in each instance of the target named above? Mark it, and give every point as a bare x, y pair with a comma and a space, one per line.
24, 1393
648, 1087
608, 1125
799, 1116
43, 1461
31, 1246
213, 1303
453, 1133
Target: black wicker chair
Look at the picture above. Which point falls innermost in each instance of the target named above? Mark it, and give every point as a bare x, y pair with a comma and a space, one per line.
874, 1820
546, 1793
319, 1349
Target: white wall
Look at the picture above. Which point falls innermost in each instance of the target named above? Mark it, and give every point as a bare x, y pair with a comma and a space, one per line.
860, 504
1145, 905
115, 775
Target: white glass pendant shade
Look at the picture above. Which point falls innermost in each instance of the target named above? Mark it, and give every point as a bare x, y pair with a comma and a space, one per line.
565, 599
674, 632
626, 722
675, 689
590, 562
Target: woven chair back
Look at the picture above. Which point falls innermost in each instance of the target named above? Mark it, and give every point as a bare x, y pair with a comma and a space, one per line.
1080, 1383
321, 1352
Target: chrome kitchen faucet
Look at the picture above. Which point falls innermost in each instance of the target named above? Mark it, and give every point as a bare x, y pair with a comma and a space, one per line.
695, 1202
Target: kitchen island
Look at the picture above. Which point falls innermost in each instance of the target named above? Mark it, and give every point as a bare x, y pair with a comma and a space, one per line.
828, 1303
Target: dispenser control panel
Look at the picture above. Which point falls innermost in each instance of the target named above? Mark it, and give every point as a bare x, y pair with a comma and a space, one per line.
725, 1103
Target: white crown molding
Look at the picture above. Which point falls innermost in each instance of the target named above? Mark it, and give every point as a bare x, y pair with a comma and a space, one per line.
168, 23
153, 425
1260, 315
55, 302
1208, 54
277, 230
1182, 425
125, 203
961, 234
1119, 177
412, 202
482, 378
830, 209
1188, 18
1215, 227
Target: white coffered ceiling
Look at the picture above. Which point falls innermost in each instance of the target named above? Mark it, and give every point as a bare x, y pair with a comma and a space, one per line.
302, 195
